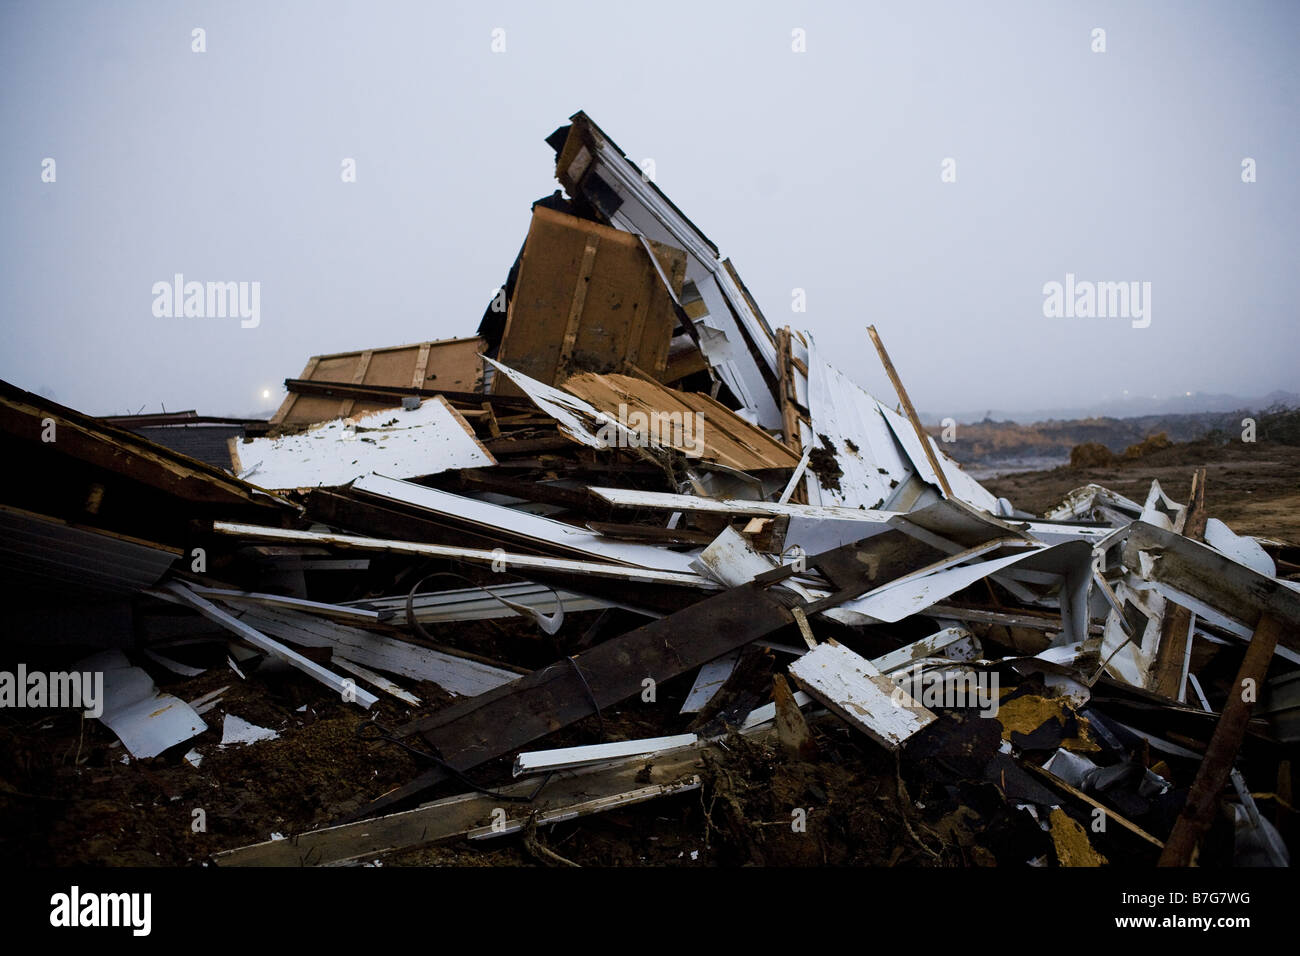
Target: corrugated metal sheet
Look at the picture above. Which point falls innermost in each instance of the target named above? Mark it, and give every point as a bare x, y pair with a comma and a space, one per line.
49, 555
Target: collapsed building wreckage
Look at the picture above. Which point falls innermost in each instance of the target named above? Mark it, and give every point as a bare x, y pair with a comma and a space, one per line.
630, 464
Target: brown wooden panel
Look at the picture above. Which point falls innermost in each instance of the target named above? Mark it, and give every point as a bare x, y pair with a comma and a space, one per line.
718, 434
588, 298
451, 364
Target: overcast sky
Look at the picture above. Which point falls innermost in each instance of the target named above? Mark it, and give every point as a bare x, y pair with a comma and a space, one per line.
820, 170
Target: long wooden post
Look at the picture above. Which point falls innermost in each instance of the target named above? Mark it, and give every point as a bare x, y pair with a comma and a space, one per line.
911, 412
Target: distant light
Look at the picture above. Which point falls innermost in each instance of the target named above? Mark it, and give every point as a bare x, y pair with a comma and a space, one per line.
266, 393
1188, 394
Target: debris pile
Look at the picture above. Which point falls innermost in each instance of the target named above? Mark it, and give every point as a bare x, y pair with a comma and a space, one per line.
628, 491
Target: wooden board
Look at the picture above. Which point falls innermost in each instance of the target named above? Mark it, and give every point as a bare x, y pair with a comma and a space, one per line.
852, 687
690, 422
451, 364
473, 814
588, 297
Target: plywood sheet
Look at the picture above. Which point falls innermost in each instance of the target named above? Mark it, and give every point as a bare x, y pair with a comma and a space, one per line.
451, 364
691, 422
588, 298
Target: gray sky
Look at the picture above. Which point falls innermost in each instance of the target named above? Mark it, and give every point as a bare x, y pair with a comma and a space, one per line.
817, 170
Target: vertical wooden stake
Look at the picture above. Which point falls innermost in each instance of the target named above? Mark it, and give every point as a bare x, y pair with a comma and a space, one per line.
910, 411
1222, 751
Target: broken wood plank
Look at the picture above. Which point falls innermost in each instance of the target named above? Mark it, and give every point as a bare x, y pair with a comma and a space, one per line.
573, 758
650, 534
1216, 766
391, 395
574, 792
851, 687
1080, 795
459, 674
377, 680
511, 523
709, 681
363, 615
921, 435
955, 642
665, 501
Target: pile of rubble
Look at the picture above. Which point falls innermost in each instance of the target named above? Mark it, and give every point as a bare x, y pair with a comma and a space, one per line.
658, 498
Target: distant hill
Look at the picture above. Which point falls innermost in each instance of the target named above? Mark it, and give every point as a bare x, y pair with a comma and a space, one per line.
997, 445
1133, 406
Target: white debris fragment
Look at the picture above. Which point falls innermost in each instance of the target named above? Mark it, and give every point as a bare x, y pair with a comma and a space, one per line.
236, 730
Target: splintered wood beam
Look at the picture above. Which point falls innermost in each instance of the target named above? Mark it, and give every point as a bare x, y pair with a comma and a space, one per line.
478, 729
791, 727
1082, 797
481, 816
473, 731
1216, 765
789, 413
921, 436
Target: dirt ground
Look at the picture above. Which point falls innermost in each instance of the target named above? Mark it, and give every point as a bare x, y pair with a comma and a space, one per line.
1253, 488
